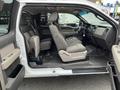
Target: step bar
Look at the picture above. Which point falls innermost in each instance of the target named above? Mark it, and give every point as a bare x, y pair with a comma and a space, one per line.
88, 71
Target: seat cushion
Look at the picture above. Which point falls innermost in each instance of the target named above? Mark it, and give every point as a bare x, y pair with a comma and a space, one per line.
68, 57
72, 41
76, 48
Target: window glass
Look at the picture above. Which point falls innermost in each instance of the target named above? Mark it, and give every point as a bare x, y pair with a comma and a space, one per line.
66, 18
5, 18
93, 19
8, 1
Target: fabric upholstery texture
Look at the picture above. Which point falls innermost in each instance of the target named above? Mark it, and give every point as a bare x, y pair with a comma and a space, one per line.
32, 37
73, 41
59, 40
76, 48
69, 49
35, 44
53, 17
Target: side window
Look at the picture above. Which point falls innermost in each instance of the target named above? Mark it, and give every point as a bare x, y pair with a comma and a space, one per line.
5, 18
66, 18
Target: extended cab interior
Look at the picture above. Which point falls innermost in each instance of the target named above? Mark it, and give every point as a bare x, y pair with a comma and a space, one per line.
57, 38
66, 36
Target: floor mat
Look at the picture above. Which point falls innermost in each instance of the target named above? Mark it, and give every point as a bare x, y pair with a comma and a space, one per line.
53, 61
96, 58
88, 82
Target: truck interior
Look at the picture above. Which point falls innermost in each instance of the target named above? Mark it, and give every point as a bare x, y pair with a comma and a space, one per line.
65, 36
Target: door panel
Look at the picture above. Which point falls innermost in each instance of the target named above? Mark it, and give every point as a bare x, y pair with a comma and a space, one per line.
7, 39
15, 78
9, 56
11, 71
115, 67
113, 72
116, 55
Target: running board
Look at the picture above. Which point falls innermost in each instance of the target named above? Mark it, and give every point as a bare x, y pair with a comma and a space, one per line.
86, 71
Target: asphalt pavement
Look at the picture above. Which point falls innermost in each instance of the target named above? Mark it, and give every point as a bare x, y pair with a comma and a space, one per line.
86, 82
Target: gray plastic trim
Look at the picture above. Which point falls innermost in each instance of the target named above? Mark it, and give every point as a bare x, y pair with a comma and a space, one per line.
14, 82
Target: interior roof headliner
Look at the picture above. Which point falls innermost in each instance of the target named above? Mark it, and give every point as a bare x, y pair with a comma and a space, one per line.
36, 10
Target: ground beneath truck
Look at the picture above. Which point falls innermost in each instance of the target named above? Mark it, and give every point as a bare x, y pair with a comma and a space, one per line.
86, 82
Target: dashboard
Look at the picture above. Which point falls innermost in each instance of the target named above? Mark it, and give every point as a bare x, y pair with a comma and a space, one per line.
100, 36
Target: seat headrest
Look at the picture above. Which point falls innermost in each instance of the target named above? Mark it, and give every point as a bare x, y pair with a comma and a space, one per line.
53, 17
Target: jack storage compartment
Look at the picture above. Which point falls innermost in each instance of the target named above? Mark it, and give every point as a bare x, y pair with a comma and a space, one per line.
16, 77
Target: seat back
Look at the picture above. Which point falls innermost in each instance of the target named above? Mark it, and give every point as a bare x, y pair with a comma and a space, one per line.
32, 40
58, 38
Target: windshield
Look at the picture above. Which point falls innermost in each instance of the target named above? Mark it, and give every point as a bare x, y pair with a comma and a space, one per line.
93, 19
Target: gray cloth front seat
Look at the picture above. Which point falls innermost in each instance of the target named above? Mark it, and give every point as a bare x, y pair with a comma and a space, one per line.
69, 49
